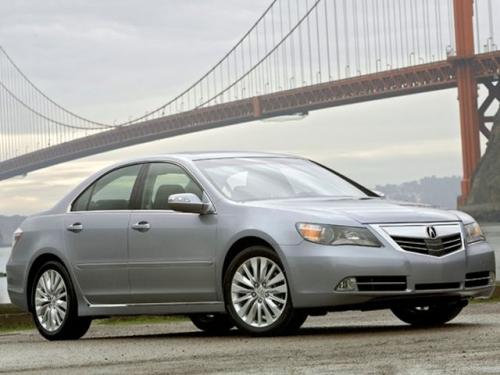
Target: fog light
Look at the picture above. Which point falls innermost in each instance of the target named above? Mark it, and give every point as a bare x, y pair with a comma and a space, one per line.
492, 278
347, 285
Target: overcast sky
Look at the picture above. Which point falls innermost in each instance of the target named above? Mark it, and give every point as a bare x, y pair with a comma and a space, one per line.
109, 60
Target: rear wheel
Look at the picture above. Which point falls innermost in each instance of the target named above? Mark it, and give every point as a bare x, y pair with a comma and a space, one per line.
429, 315
54, 304
212, 323
257, 294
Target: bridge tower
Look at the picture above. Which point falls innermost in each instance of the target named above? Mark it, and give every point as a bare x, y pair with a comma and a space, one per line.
467, 92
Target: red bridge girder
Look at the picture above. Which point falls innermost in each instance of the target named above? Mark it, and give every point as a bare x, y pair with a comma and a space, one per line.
420, 78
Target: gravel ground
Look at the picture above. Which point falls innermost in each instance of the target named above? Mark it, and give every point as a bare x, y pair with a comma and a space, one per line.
339, 343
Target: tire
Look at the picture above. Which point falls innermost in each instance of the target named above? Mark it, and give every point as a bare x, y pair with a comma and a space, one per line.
212, 323
430, 315
299, 319
255, 307
56, 313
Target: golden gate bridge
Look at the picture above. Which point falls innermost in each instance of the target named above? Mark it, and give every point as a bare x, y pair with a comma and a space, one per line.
299, 56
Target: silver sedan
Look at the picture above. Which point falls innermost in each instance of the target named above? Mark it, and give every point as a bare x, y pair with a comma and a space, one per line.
256, 241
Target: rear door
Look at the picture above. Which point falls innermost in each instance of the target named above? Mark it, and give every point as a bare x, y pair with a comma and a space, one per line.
96, 236
171, 253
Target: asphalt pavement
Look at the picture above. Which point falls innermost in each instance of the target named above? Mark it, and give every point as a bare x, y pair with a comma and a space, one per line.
339, 343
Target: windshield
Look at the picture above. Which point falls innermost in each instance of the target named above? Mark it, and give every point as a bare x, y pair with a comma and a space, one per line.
247, 179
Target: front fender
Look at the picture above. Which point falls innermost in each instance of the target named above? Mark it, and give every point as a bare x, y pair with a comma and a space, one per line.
248, 233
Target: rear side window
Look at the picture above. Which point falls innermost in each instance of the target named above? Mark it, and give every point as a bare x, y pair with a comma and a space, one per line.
113, 191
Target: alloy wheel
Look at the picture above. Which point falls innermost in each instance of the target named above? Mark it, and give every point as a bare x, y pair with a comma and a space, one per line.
259, 292
51, 301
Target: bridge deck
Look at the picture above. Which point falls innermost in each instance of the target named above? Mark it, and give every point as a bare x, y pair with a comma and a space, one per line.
421, 78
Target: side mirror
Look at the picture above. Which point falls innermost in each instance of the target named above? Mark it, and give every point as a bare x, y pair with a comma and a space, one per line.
379, 193
188, 202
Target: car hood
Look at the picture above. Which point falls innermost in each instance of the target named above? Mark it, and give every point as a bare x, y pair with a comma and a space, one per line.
364, 211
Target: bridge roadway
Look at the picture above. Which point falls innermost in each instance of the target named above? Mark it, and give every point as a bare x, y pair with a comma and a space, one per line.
416, 79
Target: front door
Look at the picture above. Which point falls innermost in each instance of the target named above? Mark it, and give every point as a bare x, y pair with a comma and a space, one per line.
96, 236
171, 253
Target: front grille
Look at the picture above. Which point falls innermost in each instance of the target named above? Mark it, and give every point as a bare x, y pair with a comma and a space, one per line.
436, 286
381, 283
431, 246
477, 279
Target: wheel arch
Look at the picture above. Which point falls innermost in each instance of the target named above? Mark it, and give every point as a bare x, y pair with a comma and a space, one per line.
242, 242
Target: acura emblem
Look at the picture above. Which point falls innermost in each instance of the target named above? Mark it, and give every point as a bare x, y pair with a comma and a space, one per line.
431, 232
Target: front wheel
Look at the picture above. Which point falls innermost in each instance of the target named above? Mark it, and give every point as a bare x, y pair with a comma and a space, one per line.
429, 315
54, 304
257, 294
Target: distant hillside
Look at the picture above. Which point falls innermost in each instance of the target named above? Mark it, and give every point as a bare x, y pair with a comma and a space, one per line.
8, 225
484, 198
437, 191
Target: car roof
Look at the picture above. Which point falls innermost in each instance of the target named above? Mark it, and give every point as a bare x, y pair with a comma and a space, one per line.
212, 155
227, 154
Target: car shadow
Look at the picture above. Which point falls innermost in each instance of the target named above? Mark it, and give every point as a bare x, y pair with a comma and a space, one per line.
365, 329
337, 331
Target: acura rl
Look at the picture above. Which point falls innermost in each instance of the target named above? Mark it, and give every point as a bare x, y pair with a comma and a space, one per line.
252, 240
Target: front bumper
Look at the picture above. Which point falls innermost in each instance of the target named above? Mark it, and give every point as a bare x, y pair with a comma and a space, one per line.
316, 270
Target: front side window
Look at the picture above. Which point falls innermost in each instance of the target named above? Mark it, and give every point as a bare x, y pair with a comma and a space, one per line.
258, 178
112, 191
163, 180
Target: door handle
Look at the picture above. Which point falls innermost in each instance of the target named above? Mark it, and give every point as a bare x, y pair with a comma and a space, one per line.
75, 227
141, 226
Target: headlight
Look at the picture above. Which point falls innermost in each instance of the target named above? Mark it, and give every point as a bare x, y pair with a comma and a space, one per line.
17, 236
473, 233
337, 235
